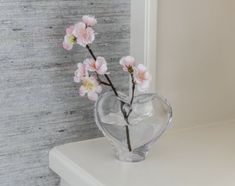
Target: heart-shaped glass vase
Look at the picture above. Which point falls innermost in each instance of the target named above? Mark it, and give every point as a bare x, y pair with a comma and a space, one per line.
132, 137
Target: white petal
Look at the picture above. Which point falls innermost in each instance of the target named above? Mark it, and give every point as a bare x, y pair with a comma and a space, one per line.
81, 42
148, 76
70, 29
89, 20
79, 65
76, 79
100, 61
99, 89
92, 96
89, 64
130, 59
102, 71
82, 91
126, 62
67, 46
78, 28
122, 61
90, 35
141, 67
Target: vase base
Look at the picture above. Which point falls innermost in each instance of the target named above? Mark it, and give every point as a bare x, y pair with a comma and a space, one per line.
136, 155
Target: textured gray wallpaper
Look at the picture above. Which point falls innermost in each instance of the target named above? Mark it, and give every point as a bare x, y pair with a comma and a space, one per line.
39, 103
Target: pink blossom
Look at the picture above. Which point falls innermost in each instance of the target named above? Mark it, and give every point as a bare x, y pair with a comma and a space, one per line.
142, 77
99, 66
127, 63
70, 29
69, 38
80, 73
85, 35
91, 87
89, 20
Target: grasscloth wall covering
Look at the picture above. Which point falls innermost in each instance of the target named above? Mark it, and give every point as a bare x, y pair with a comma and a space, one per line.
39, 103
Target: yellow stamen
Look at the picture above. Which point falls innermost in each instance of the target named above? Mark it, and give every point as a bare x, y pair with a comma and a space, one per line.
72, 39
89, 85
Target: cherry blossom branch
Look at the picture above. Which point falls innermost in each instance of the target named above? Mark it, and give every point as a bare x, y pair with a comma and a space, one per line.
83, 34
100, 81
122, 103
104, 83
133, 88
91, 52
106, 76
133, 93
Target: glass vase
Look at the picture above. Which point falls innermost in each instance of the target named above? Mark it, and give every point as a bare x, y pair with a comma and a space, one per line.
132, 129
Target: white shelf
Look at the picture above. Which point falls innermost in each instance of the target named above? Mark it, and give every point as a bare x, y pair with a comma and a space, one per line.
202, 156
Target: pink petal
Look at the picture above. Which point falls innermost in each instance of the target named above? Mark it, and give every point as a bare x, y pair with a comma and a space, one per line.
100, 61
90, 64
141, 67
148, 76
90, 35
102, 70
89, 20
85, 35
92, 96
81, 42
80, 65
82, 91
127, 61
122, 61
67, 46
78, 28
70, 29
80, 73
130, 59
101, 65
76, 79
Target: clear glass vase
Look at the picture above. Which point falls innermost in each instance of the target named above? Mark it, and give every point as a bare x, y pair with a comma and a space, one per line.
132, 136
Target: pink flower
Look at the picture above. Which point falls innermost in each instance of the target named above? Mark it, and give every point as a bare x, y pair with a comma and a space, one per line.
89, 20
91, 87
70, 29
85, 35
69, 38
142, 77
99, 66
80, 73
127, 63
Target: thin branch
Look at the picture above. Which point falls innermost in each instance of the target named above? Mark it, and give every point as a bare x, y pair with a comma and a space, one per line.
133, 88
100, 81
128, 138
104, 83
133, 94
126, 127
122, 103
111, 84
90, 51
106, 76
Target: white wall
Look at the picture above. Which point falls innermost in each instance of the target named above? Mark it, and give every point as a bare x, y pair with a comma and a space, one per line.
196, 59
